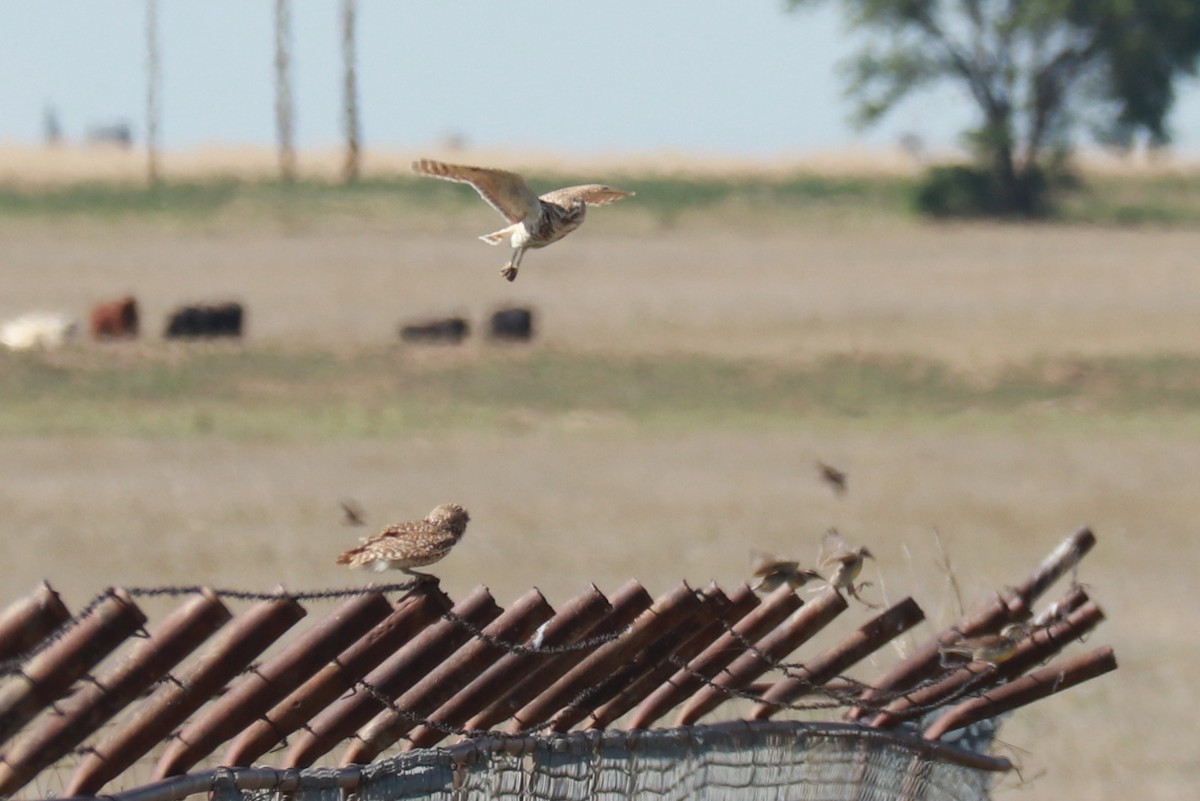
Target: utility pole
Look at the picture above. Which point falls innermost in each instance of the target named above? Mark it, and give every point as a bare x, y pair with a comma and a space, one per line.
283, 91
350, 124
153, 90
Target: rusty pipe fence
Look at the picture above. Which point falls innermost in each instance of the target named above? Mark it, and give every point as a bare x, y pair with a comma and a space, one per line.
86, 697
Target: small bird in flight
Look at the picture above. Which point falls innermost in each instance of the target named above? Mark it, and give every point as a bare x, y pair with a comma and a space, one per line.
413, 544
773, 573
534, 222
990, 648
352, 513
836, 479
847, 563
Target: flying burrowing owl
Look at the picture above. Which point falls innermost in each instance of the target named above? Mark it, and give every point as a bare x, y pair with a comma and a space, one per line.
408, 545
534, 222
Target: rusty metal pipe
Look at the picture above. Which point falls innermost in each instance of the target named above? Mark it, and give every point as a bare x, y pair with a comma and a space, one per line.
1024, 690
812, 676
259, 689
716, 621
238, 643
775, 646
1038, 647
394, 676
95, 703
572, 622
49, 675
516, 624
28, 621
988, 616
628, 602
669, 610
409, 617
711, 604
774, 609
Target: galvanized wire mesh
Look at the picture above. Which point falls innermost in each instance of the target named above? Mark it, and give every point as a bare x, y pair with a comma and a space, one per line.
801, 761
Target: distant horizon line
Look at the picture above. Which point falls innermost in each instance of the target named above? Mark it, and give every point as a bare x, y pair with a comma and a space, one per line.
66, 162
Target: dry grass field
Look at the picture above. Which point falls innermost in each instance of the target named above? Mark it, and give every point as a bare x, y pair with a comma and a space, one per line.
999, 384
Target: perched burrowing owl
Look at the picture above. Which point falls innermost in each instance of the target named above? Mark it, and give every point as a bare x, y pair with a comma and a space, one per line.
847, 563
772, 573
408, 545
534, 222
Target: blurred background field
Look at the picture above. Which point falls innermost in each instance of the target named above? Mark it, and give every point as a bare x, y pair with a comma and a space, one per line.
776, 295
698, 351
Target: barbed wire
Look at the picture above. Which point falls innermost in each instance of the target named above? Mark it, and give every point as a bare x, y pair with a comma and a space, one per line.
330, 594
13, 666
852, 695
589, 644
838, 692
837, 697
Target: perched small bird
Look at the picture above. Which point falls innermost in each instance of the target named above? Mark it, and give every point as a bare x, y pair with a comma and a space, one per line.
773, 573
352, 514
835, 478
847, 563
990, 648
534, 222
408, 545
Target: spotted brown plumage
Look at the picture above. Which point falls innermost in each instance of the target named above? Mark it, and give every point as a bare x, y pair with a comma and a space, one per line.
413, 544
534, 221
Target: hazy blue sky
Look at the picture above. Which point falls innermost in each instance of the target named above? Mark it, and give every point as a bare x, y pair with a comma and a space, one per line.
736, 76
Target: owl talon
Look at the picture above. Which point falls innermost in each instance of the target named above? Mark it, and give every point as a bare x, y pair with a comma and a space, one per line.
509, 272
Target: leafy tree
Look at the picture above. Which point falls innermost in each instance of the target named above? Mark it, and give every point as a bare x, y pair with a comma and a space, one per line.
1039, 71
